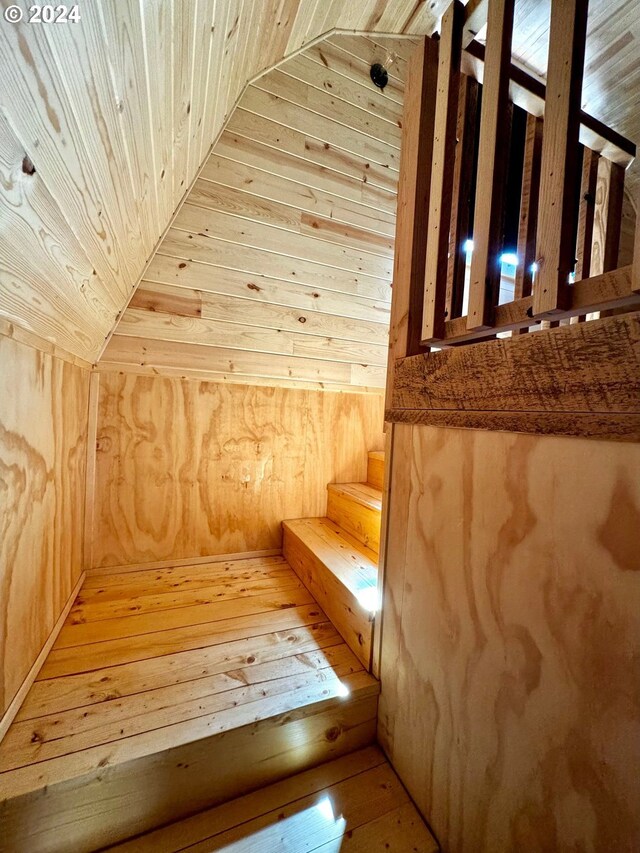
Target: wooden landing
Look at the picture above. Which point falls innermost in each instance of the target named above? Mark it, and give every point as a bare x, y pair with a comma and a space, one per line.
171, 690
354, 804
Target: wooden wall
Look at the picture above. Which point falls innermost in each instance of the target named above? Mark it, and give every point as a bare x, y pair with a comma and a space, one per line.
187, 468
510, 694
278, 266
43, 433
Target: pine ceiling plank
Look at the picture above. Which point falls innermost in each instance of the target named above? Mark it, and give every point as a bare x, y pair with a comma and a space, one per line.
323, 103
271, 238
204, 39
332, 57
349, 206
157, 354
268, 301
369, 52
182, 244
157, 36
283, 140
361, 93
123, 31
330, 132
74, 310
184, 22
43, 120
200, 330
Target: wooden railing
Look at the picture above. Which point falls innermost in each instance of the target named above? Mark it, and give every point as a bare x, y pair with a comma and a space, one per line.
461, 181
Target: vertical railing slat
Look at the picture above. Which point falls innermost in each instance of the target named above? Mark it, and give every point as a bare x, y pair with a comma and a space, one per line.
462, 194
413, 204
555, 252
492, 164
607, 220
442, 174
528, 224
586, 212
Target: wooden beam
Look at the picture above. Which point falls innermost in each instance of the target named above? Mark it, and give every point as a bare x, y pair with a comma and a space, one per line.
529, 207
413, 204
592, 368
610, 290
529, 93
635, 275
492, 162
475, 18
586, 213
468, 102
442, 174
555, 250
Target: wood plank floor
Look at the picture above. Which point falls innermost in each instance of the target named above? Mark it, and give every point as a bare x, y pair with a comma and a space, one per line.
354, 804
153, 660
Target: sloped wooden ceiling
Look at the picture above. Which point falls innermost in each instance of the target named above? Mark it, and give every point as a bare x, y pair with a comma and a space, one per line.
278, 266
104, 124
116, 113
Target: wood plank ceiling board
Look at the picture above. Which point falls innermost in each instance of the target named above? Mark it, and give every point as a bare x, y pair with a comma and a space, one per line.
117, 112
277, 269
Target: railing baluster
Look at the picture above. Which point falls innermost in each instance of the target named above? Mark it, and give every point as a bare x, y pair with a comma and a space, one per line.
586, 212
462, 194
529, 207
442, 174
492, 163
567, 36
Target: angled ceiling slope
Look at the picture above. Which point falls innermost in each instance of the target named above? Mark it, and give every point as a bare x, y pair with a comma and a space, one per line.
103, 126
277, 269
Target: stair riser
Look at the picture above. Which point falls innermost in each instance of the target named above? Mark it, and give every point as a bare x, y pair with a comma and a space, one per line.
339, 604
375, 472
358, 520
114, 803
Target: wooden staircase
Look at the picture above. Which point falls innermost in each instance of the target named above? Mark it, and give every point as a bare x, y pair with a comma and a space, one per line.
336, 557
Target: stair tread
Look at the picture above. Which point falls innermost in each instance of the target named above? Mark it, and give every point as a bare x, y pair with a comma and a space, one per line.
362, 493
376, 454
355, 565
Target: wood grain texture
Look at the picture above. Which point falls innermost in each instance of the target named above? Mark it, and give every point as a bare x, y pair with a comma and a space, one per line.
263, 694
43, 433
370, 812
413, 206
267, 223
508, 705
587, 368
559, 176
187, 468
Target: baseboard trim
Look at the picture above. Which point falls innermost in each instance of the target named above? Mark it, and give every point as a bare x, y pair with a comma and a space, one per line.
31, 676
185, 561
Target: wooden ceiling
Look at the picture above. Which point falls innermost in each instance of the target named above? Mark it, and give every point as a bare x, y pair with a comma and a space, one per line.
277, 268
104, 124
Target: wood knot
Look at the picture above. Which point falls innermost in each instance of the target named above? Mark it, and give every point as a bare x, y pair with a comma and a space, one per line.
27, 166
332, 734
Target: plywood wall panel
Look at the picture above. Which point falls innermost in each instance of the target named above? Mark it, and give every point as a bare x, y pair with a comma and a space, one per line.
510, 699
187, 468
43, 423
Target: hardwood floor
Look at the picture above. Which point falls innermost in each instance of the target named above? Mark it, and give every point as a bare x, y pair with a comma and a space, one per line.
354, 804
159, 675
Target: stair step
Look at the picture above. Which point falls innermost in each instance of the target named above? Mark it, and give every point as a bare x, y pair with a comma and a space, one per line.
375, 469
355, 802
179, 709
357, 508
340, 573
